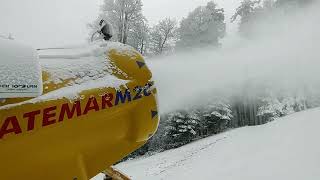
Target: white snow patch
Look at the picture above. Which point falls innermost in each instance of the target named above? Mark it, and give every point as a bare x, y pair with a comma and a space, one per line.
20, 71
82, 63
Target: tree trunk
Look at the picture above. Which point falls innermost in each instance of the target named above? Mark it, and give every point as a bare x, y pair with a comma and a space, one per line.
142, 46
163, 43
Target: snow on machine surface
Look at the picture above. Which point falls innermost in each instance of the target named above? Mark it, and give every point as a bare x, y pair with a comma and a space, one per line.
97, 106
20, 72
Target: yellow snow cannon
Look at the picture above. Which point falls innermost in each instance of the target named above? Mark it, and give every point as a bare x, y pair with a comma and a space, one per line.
70, 113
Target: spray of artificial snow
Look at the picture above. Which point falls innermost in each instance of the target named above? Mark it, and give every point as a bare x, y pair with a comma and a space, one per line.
285, 57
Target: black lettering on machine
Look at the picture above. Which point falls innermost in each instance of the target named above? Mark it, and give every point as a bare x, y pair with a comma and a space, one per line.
19, 87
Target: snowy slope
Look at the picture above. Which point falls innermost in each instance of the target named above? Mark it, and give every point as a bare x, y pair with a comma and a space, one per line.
286, 149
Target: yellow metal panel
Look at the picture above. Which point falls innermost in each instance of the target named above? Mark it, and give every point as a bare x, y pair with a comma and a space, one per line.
63, 139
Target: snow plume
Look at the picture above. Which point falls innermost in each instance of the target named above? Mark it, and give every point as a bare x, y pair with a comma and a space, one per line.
284, 56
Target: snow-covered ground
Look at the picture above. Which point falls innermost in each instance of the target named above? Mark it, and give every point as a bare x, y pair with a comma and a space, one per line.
286, 149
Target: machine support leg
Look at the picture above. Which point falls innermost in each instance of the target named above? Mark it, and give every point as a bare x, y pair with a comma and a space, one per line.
114, 174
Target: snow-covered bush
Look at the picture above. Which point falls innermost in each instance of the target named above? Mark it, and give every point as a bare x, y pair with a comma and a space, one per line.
184, 126
275, 107
181, 127
217, 115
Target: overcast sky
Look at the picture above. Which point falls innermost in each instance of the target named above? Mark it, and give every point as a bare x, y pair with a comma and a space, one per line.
47, 23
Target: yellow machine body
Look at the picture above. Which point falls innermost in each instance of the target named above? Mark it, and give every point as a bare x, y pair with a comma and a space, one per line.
69, 139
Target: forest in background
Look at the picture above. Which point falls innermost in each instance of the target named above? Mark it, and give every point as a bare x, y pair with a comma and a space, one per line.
205, 26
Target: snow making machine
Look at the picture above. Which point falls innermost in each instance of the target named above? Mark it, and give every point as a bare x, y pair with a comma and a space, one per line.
70, 113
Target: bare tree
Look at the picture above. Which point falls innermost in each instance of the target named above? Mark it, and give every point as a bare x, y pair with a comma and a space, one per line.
122, 14
163, 35
139, 35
